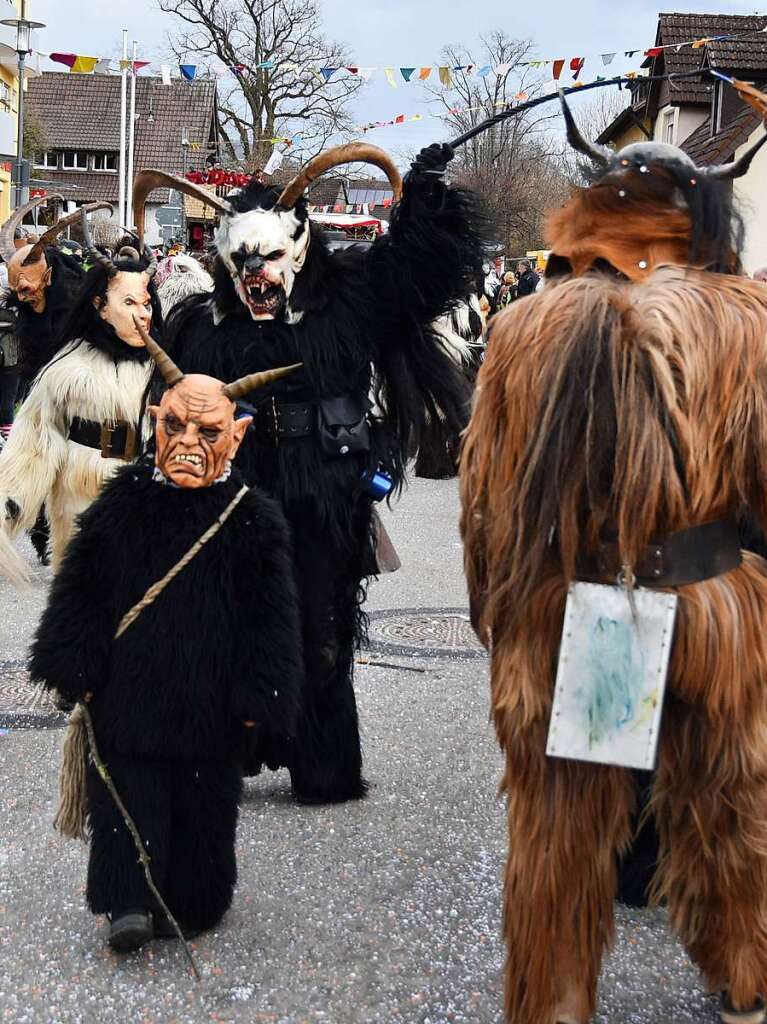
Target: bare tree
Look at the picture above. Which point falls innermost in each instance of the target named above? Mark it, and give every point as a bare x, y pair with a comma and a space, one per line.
516, 165
262, 104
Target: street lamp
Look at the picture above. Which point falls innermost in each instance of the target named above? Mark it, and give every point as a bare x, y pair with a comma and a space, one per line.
24, 29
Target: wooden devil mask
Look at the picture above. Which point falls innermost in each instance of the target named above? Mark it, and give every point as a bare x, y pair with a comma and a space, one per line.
196, 434
29, 273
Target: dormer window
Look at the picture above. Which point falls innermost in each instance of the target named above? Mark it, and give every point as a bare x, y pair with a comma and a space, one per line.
105, 162
74, 160
47, 161
718, 104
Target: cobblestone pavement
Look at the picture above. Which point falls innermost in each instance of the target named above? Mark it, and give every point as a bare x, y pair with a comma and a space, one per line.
382, 911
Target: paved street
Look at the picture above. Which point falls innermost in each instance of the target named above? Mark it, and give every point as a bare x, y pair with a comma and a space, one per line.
382, 911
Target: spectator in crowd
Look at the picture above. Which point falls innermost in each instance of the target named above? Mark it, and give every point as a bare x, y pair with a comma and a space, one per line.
9, 360
761, 275
508, 291
527, 279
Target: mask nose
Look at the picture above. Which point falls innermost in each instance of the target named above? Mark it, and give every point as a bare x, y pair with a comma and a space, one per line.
254, 264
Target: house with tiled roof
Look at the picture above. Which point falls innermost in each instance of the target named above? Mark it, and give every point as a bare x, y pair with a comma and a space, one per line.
702, 115
79, 119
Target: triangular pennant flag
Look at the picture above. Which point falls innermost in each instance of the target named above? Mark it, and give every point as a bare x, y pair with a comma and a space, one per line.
654, 51
576, 65
390, 77
84, 65
630, 53
406, 73
125, 65
327, 73
502, 69
484, 71
353, 70
608, 58
103, 67
165, 74
188, 71
424, 73
399, 119
445, 77
365, 73
557, 71
239, 69
417, 117
521, 96
699, 43
64, 58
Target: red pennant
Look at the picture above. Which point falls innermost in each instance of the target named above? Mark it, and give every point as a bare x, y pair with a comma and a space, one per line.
654, 51
558, 65
576, 65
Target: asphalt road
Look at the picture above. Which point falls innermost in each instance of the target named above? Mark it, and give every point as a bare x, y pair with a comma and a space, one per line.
386, 910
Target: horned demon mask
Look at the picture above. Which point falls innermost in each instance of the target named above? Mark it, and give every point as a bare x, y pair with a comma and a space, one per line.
196, 434
29, 274
264, 248
647, 204
127, 297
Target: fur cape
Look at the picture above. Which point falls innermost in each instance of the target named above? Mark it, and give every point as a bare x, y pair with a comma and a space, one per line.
38, 333
39, 465
218, 647
359, 312
641, 408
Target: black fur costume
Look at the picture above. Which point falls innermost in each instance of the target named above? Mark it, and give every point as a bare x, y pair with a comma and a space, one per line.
220, 646
38, 333
366, 324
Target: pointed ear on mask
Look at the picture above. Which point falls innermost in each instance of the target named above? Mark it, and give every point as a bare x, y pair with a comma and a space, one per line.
238, 433
301, 247
48, 277
154, 411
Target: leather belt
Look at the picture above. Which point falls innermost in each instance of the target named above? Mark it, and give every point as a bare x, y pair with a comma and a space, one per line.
115, 440
676, 560
282, 420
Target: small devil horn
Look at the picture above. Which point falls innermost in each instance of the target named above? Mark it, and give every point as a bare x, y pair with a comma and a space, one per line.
576, 139
170, 372
91, 251
736, 168
245, 385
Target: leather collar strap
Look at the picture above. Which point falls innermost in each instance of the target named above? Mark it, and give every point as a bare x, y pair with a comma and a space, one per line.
676, 560
282, 420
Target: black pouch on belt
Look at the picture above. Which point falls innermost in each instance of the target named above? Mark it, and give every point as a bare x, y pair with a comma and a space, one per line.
342, 426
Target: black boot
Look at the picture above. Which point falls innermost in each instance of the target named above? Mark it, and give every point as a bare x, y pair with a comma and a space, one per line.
130, 929
163, 929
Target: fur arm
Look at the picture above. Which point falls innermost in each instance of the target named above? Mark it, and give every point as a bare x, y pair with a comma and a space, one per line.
31, 458
72, 644
266, 684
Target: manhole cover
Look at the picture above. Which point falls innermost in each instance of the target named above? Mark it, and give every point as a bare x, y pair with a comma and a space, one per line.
425, 633
21, 705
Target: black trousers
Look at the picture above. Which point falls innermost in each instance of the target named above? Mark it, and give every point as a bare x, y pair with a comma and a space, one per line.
9, 388
186, 814
325, 759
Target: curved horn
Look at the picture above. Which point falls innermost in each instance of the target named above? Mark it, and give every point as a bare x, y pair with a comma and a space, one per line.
8, 230
736, 168
146, 252
576, 139
245, 385
90, 249
170, 372
52, 233
351, 153
147, 181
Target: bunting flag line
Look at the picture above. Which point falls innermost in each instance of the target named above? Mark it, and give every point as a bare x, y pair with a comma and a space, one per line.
394, 73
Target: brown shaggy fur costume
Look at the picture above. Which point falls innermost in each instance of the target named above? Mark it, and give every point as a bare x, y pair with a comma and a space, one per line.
581, 391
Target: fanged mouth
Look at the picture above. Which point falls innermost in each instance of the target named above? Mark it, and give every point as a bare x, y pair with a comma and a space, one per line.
262, 298
193, 460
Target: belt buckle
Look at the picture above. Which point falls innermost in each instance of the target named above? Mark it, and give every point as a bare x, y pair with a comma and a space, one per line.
107, 432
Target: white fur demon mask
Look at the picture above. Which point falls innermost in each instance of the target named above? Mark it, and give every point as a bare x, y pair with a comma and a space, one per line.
262, 240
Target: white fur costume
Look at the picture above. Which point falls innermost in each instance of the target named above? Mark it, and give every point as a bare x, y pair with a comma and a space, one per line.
40, 465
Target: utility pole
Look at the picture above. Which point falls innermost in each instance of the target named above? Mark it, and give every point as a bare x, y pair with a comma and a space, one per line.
123, 115
131, 141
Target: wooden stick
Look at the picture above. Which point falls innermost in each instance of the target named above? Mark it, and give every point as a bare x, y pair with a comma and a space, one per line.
143, 856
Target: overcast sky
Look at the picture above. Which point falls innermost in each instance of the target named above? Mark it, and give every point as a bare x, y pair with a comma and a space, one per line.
394, 33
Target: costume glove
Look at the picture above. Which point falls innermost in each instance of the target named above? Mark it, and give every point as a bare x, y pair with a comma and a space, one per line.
428, 168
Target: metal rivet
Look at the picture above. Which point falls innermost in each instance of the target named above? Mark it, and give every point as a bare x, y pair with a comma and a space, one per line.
625, 162
622, 193
693, 181
344, 449
642, 264
643, 169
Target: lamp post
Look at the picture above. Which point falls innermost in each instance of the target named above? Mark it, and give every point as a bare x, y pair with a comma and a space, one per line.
24, 29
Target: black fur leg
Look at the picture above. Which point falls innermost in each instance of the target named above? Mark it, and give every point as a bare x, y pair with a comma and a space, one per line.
40, 535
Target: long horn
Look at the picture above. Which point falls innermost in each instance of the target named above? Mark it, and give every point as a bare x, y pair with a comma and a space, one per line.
245, 385
53, 233
351, 153
147, 253
90, 249
8, 230
170, 372
576, 139
736, 168
147, 181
